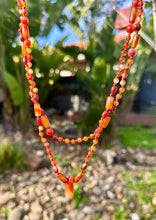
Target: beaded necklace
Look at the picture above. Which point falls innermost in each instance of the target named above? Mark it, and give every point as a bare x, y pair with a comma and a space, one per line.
111, 103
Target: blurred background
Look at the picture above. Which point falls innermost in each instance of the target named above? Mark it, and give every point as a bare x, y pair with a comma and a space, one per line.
76, 47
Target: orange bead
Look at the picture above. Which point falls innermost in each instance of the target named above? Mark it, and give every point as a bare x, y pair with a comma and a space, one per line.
85, 138
91, 136
45, 121
87, 159
60, 139
124, 75
41, 134
92, 147
84, 166
46, 144
118, 96
95, 141
53, 162
67, 141
78, 177
73, 141
79, 140
43, 140
122, 82
37, 109
63, 178
121, 90
133, 15
130, 61
109, 103
69, 190
135, 40
25, 32
106, 121
90, 153
24, 50
116, 103
116, 80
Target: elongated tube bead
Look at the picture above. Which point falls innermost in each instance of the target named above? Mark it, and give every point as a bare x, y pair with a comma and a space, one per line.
109, 103
25, 32
135, 40
78, 177
133, 15
45, 121
37, 109
63, 178
106, 122
24, 50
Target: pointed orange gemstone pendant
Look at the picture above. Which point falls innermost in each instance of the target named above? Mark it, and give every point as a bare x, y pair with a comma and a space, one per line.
69, 190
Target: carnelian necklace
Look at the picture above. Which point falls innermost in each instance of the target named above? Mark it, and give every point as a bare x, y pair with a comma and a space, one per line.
111, 102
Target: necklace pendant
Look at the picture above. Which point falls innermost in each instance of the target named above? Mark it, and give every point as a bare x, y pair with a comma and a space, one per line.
69, 190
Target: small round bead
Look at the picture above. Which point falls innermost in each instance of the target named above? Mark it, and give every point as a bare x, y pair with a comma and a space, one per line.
38, 120
116, 103
43, 140
51, 157
73, 141
90, 153
53, 162
60, 139
105, 114
28, 43
130, 61
48, 151
95, 141
67, 141
113, 90
118, 96
25, 20
121, 90
130, 28
55, 169
87, 159
123, 53
91, 136
124, 75
49, 131
85, 138
140, 4
116, 80
128, 38
42, 111
125, 45
137, 27
121, 59
126, 68
92, 147
119, 74
97, 135
131, 52
79, 140
46, 144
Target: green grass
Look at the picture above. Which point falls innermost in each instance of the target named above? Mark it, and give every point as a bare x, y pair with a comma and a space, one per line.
144, 189
11, 156
137, 136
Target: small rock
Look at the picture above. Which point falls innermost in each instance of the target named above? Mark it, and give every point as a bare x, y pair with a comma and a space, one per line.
134, 216
16, 214
109, 156
35, 216
36, 207
154, 200
35, 163
97, 190
6, 197
87, 209
110, 195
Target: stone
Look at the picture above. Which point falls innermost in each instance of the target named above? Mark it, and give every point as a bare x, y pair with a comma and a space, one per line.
110, 195
109, 156
35, 215
16, 214
88, 209
36, 207
97, 190
134, 216
6, 197
33, 162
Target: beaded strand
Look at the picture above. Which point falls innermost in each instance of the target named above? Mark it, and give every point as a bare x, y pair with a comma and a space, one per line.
111, 102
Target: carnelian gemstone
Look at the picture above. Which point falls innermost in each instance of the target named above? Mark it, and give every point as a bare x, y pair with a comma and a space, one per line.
140, 11
69, 190
37, 109
119, 74
84, 166
118, 96
106, 122
121, 90
25, 32
43, 140
55, 169
53, 162
85, 138
92, 147
109, 103
46, 144
78, 177
87, 159
50, 156
130, 61
24, 50
73, 141
135, 40
113, 90
25, 20
97, 135
95, 141
48, 151
60, 139
122, 82
116, 80
45, 121
38, 120
116, 103
105, 114
63, 178
91, 136
133, 15
79, 140
67, 141
130, 28
90, 153
124, 75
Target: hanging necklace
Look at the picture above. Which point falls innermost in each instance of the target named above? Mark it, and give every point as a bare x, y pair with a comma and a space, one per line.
111, 103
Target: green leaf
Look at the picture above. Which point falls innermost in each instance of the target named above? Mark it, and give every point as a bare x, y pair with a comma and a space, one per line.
15, 89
